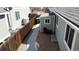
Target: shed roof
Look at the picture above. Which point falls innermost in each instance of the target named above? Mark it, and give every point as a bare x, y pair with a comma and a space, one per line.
44, 15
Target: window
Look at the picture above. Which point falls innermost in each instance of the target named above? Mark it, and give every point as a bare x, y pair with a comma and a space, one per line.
17, 14
47, 21
2, 16
67, 32
56, 17
69, 36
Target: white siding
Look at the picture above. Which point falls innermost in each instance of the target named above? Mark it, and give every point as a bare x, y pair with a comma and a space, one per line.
60, 32
4, 29
76, 46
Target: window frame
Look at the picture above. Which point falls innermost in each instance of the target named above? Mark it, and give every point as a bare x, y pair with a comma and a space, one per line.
69, 32
56, 20
70, 36
2, 16
47, 19
17, 15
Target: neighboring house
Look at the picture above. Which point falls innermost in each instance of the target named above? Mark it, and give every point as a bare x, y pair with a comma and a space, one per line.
45, 9
39, 10
17, 14
12, 20
4, 27
36, 10
67, 27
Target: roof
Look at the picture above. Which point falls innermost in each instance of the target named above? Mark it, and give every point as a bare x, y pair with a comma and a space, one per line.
44, 15
69, 13
2, 10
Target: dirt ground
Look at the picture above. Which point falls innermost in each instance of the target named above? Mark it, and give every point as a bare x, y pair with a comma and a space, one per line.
44, 43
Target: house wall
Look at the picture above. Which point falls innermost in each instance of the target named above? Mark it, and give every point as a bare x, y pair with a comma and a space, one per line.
76, 45
48, 26
4, 28
23, 15
61, 32
60, 29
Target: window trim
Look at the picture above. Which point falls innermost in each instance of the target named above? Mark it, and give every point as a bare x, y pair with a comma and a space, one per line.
68, 38
74, 39
46, 19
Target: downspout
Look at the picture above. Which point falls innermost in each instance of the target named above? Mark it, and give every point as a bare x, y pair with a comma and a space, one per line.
8, 9
10, 27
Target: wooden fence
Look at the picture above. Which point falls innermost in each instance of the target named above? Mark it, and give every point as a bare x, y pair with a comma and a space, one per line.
13, 42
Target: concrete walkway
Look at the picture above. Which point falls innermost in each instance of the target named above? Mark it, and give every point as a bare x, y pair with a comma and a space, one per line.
31, 42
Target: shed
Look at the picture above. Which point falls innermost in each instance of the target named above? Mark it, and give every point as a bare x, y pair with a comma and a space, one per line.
47, 21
